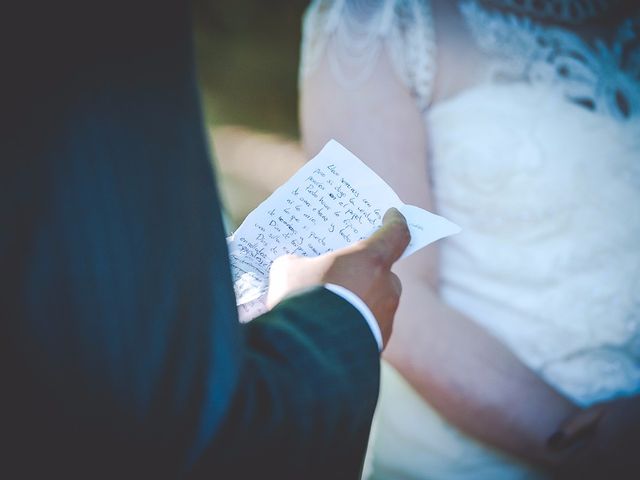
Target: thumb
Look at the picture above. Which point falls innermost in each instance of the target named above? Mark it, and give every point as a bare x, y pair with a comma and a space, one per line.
391, 240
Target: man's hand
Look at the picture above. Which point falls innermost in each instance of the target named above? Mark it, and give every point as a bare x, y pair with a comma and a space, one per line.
364, 268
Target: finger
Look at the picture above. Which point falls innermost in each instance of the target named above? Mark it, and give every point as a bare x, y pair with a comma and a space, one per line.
282, 263
391, 240
576, 428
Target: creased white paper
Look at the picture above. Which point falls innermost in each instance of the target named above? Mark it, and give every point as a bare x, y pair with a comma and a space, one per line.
331, 202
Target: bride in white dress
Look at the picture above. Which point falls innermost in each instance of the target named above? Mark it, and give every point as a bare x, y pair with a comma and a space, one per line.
520, 121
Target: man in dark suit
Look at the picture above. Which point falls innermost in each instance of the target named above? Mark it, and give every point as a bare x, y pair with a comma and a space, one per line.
121, 354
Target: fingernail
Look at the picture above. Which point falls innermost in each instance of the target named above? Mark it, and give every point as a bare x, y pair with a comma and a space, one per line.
396, 212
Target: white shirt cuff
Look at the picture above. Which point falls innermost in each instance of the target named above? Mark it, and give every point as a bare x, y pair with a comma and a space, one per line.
355, 300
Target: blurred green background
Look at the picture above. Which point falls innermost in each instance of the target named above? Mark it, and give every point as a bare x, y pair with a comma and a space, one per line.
247, 57
247, 53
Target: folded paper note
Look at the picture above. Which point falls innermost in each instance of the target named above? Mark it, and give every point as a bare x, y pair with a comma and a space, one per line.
331, 202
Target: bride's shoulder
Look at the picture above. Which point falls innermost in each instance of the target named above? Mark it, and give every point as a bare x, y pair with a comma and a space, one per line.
352, 34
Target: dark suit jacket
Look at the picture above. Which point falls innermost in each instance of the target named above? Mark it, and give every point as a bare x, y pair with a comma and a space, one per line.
121, 353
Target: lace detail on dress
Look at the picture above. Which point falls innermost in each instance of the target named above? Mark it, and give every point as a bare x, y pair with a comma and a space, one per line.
567, 11
600, 76
357, 30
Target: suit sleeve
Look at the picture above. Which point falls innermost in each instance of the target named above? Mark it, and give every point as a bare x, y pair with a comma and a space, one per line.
307, 391
121, 352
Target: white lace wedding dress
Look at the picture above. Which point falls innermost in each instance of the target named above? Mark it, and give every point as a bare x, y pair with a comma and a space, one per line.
539, 162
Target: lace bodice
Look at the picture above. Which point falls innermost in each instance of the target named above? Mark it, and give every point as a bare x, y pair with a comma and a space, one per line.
600, 75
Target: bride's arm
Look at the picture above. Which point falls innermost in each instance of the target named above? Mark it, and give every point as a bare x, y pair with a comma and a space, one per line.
465, 373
